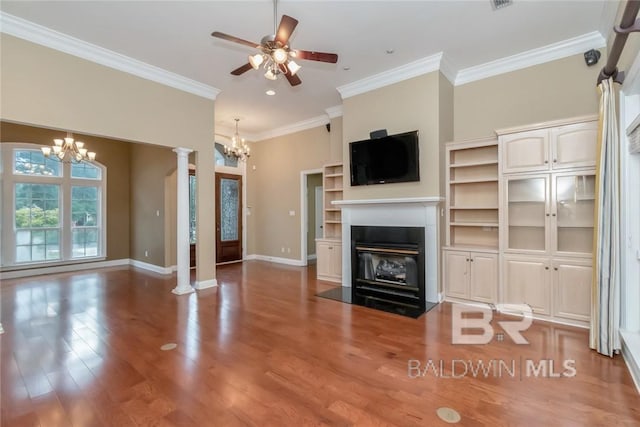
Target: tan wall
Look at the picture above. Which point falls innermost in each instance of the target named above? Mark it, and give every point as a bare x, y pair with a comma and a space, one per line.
150, 165
273, 189
313, 181
401, 107
111, 153
48, 88
335, 139
554, 90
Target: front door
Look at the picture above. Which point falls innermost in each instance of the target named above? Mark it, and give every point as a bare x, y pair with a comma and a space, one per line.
228, 217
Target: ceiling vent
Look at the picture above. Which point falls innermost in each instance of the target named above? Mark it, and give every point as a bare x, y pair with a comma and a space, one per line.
499, 4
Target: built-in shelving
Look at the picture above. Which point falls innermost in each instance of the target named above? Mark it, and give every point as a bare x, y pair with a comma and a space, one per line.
472, 194
332, 184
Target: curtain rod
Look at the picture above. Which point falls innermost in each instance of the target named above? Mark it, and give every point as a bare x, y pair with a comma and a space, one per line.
628, 24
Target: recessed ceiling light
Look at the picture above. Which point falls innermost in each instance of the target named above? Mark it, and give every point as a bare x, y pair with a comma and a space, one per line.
389, 51
270, 92
346, 68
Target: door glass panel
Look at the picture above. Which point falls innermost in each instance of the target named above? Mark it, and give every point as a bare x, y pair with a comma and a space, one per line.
229, 209
575, 197
526, 203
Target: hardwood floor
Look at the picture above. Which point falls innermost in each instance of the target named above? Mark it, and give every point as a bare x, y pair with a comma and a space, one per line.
83, 349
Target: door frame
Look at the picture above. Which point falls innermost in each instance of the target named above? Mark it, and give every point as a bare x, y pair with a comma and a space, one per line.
240, 170
304, 223
241, 210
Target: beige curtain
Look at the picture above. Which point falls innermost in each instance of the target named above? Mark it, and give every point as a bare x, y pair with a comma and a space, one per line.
605, 302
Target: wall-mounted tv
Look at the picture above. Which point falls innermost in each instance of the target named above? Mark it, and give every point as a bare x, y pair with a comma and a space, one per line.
392, 158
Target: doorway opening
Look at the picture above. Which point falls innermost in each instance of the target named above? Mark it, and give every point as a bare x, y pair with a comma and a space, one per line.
312, 213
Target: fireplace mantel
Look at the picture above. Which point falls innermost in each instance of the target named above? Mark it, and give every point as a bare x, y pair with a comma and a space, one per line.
425, 201
398, 212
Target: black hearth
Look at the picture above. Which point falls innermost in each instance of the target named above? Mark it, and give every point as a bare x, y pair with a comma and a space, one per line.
387, 265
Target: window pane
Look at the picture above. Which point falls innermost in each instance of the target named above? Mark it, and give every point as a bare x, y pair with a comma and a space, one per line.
85, 242
23, 253
84, 206
192, 209
85, 170
33, 162
37, 205
222, 160
23, 237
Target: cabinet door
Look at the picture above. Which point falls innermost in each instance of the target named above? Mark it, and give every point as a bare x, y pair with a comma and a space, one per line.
574, 146
456, 274
336, 259
572, 213
323, 263
527, 280
483, 285
525, 151
526, 213
572, 289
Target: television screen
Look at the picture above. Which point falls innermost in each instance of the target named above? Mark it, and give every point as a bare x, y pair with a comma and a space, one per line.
392, 158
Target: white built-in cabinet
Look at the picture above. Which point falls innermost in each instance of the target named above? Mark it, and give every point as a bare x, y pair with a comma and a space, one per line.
329, 247
471, 275
470, 257
329, 260
520, 218
546, 231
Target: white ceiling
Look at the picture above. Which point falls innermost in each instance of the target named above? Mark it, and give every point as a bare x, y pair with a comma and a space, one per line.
175, 36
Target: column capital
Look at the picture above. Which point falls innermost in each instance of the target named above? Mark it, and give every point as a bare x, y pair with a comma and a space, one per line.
181, 151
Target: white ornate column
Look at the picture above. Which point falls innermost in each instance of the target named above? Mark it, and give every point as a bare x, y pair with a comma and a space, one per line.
182, 228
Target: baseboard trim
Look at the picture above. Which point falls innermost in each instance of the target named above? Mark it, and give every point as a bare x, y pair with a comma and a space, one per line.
631, 354
277, 260
150, 267
16, 274
206, 284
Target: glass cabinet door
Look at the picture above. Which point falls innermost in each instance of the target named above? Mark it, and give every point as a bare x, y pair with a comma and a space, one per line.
574, 204
526, 213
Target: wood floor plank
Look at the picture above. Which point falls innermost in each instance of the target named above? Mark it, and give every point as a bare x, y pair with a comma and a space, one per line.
83, 349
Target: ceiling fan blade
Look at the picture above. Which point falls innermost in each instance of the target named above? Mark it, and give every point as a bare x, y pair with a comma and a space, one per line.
224, 36
240, 70
316, 56
293, 80
286, 27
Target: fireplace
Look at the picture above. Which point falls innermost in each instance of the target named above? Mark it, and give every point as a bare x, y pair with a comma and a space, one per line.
388, 268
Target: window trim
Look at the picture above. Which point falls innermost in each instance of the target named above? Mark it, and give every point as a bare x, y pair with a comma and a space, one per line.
66, 182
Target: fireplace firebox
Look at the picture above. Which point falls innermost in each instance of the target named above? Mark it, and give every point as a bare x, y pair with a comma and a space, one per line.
388, 268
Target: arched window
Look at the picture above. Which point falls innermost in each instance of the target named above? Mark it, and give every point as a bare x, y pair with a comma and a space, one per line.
52, 211
221, 159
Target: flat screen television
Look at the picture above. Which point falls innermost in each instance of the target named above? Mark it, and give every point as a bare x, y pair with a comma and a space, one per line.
392, 158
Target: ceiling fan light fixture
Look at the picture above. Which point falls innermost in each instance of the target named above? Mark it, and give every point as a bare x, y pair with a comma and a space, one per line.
293, 67
279, 56
256, 60
270, 75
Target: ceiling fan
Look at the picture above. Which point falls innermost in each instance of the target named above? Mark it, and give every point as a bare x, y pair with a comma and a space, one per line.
276, 56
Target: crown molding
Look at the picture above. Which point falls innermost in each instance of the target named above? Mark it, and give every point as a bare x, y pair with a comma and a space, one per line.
394, 75
448, 70
294, 127
335, 111
27, 30
531, 57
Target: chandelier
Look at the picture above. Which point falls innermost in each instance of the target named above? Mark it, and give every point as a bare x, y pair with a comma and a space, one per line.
68, 150
238, 148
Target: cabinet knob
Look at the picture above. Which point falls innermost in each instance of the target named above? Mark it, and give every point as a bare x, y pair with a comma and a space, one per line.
467, 259
471, 259
555, 160
546, 161
547, 214
553, 214
555, 268
330, 247
546, 268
